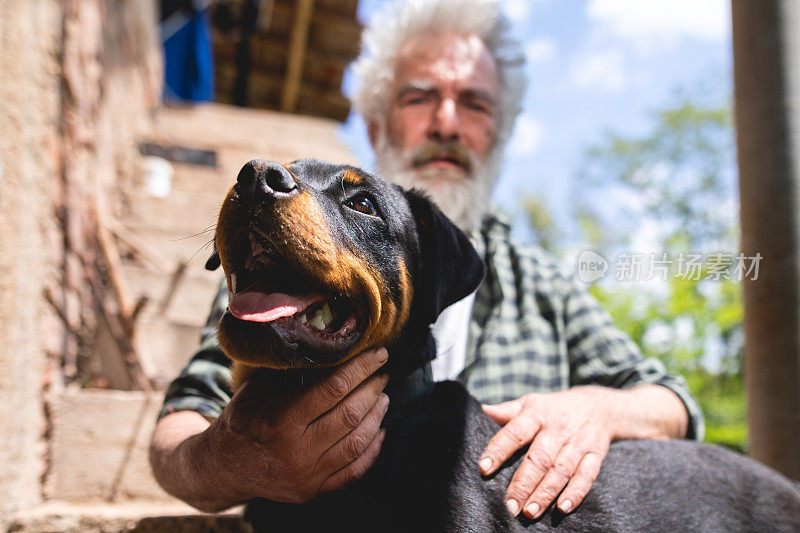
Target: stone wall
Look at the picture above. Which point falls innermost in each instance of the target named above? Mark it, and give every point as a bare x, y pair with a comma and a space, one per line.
30, 36
78, 82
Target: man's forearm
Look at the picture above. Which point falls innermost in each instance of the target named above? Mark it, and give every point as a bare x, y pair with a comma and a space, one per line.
646, 412
173, 465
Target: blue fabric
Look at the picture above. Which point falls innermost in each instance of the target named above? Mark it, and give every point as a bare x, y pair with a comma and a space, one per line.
189, 62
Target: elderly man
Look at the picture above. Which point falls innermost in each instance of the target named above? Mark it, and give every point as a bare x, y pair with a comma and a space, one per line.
441, 84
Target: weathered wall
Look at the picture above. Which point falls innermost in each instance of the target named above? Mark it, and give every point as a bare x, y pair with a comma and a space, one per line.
78, 82
30, 36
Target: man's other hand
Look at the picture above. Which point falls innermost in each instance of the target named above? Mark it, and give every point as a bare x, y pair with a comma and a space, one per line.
284, 448
569, 435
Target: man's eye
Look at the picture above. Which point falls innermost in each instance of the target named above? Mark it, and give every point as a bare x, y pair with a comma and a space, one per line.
362, 204
414, 99
477, 106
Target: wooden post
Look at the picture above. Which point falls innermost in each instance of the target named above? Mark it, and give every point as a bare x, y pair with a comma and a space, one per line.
304, 9
766, 50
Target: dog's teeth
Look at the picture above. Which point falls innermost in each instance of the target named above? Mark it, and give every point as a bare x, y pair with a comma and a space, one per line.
327, 316
317, 321
303, 319
233, 283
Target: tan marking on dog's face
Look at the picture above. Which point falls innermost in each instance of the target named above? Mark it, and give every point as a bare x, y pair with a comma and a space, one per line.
407, 290
351, 177
299, 227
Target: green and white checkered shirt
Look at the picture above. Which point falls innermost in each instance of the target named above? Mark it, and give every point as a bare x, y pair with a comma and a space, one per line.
534, 328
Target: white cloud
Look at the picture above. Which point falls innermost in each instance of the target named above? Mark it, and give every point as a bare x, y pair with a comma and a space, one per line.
600, 69
518, 10
539, 50
647, 24
647, 236
527, 138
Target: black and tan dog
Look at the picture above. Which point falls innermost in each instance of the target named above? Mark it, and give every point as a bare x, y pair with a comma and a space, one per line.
324, 261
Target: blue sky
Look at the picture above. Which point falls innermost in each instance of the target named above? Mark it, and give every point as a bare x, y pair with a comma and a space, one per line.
593, 66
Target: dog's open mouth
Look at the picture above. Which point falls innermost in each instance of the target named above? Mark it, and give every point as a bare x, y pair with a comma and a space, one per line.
266, 290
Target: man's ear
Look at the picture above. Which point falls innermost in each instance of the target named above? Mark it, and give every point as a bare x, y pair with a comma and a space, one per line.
451, 269
213, 261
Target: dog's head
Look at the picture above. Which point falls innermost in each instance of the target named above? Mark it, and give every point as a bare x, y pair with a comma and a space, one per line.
324, 261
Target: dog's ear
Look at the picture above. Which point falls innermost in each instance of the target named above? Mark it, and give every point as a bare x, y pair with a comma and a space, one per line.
451, 268
213, 261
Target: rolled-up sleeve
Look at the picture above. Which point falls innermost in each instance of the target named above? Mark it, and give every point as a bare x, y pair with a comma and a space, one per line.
204, 384
601, 354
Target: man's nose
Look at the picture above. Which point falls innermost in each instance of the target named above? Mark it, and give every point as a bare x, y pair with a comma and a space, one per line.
445, 125
263, 180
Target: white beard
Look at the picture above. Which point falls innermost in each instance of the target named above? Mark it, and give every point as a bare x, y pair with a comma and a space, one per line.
463, 197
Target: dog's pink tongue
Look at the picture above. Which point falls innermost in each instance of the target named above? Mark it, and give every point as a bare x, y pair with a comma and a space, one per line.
255, 305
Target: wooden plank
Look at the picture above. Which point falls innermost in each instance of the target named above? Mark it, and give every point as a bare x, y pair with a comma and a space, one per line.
297, 51
335, 35
347, 8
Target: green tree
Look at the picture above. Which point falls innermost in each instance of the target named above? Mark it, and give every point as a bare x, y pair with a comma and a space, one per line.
679, 175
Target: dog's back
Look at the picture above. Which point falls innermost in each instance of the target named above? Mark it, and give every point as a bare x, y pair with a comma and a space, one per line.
427, 479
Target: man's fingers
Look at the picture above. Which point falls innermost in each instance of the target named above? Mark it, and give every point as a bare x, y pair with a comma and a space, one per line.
357, 468
356, 442
513, 436
561, 471
538, 461
331, 427
329, 391
578, 487
503, 412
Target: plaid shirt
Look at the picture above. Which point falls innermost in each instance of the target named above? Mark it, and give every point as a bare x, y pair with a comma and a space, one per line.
534, 328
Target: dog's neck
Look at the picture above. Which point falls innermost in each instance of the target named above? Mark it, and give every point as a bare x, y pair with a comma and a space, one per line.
408, 368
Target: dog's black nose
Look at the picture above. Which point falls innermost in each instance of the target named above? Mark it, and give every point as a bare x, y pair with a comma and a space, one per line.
265, 179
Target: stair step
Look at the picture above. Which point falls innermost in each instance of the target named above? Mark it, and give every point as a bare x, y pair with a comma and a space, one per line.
140, 516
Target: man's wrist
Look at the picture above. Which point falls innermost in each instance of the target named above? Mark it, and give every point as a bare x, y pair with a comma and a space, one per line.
644, 412
209, 488
187, 463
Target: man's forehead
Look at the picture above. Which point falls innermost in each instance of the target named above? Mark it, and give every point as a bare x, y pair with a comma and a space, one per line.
429, 60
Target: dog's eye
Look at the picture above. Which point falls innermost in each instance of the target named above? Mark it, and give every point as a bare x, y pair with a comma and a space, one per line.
362, 204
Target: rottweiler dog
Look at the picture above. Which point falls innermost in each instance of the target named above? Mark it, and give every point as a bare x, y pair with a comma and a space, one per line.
324, 261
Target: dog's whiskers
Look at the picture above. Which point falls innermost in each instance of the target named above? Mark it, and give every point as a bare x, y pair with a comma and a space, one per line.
200, 250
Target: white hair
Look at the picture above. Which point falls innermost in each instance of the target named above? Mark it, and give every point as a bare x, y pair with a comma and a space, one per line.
390, 29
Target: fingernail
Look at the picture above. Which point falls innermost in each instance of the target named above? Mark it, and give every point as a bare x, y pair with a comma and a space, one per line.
565, 506
532, 510
381, 355
384, 402
513, 507
485, 465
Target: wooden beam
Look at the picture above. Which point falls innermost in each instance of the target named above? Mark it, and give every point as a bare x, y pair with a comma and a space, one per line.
297, 52
766, 57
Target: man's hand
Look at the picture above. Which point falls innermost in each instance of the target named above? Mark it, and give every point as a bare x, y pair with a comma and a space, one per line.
284, 448
569, 433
